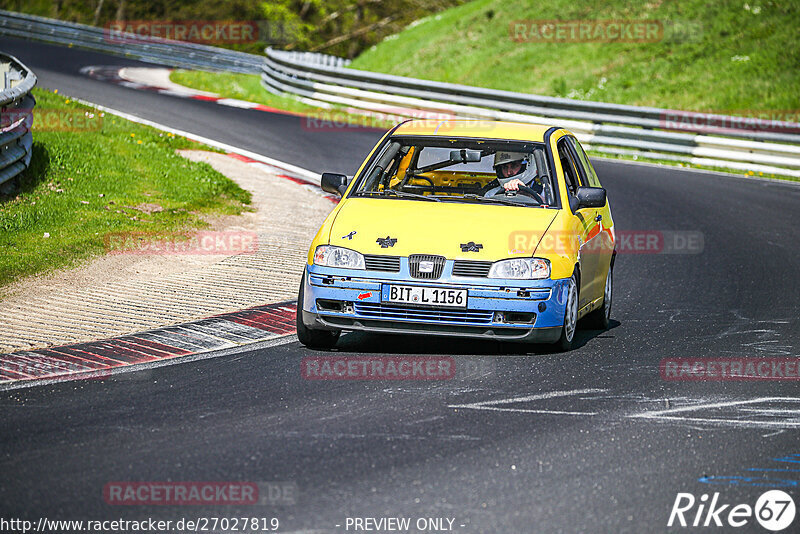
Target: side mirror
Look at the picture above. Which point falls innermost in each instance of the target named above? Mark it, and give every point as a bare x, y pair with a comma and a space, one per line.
588, 197
465, 156
333, 183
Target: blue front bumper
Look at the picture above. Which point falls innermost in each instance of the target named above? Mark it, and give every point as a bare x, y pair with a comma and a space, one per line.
530, 310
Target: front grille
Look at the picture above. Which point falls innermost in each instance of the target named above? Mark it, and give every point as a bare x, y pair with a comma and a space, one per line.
408, 313
382, 263
414, 266
476, 269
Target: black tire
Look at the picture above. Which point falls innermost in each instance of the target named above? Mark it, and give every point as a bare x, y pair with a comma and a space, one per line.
311, 338
599, 319
567, 339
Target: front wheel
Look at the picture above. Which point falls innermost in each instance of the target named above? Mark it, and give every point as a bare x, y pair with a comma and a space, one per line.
600, 318
567, 338
312, 338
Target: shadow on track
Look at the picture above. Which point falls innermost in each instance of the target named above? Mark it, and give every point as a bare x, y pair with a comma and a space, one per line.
366, 343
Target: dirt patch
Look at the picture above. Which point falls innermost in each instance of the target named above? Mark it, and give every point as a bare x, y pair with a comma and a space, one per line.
149, 208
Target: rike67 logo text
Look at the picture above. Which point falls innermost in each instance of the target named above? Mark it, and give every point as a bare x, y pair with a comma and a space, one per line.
774, 510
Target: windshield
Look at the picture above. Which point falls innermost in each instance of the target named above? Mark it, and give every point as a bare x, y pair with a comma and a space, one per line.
460, 170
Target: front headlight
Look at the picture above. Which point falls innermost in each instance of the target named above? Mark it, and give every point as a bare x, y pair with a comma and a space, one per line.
345, 258
521, 268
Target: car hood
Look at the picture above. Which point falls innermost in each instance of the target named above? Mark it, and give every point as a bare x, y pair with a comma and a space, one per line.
407, 227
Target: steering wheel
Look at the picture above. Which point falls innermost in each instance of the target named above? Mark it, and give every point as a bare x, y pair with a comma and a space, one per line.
531, 193
524, 189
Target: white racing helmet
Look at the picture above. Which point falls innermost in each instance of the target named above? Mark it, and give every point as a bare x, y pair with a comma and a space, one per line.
502, 157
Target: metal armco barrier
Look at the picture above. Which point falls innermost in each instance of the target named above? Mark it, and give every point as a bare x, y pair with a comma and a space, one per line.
16, 118
606, 128
161, 51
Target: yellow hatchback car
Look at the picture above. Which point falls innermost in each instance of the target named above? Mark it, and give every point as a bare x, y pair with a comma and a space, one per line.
491, 230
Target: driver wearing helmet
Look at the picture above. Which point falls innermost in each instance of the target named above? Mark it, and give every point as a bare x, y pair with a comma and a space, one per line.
507, 165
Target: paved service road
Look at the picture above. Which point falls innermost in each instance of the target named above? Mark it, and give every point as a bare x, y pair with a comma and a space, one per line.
591, 441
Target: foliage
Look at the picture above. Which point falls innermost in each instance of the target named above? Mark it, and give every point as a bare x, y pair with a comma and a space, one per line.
339, 27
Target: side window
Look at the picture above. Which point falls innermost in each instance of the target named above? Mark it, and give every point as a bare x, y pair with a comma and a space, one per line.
588, 170
570, 174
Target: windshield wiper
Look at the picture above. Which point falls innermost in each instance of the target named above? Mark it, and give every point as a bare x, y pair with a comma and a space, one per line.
400, 194
471, 196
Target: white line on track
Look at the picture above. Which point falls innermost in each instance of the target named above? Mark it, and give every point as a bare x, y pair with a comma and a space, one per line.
695, 407
492, 404
768, 411
676, 414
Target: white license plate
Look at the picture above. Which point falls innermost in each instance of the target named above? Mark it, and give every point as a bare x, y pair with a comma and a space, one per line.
427, 296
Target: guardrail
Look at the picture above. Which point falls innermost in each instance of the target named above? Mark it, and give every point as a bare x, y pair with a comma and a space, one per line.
162, 51
602, 127
16, 119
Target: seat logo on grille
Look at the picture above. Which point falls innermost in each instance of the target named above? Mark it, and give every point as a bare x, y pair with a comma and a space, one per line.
472, 246
386, 242
426, 266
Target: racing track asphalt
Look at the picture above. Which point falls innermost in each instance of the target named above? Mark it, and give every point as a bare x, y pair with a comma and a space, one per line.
380, 448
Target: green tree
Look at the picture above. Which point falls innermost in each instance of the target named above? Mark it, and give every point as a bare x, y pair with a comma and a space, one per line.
340, 27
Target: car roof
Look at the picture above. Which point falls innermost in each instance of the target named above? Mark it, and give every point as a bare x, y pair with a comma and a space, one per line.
478, 128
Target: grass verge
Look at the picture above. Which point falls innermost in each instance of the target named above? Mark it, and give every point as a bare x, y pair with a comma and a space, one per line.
724, 56
92, 174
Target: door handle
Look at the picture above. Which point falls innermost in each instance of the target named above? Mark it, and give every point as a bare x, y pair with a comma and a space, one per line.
599, 217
